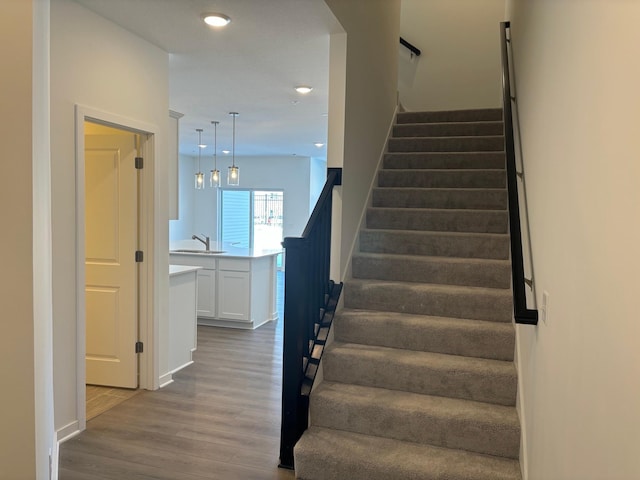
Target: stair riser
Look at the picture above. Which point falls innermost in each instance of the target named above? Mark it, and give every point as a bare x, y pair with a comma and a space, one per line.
440, 198
438, 272
390, 421
447, 144
407, 298
437, 245
347, 366
475, 221
442, 178
482, 115
448, 129
458, 160
492, 342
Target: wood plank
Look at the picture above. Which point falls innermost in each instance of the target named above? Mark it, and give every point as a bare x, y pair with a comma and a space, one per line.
220, 419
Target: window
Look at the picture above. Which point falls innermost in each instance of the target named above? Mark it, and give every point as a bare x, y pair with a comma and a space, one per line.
252, 218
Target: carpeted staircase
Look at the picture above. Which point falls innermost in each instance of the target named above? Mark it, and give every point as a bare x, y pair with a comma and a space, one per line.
420, 382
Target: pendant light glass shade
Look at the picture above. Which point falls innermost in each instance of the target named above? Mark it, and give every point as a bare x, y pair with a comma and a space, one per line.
214, 178
199, 180
233, 176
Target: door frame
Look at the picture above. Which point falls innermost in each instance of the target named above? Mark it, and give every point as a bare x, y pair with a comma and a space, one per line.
148, 362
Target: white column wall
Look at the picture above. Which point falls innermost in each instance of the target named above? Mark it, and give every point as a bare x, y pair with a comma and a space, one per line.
372, 30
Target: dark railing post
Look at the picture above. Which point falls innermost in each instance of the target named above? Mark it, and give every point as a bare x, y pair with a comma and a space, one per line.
306, 289
522, 314
294, 338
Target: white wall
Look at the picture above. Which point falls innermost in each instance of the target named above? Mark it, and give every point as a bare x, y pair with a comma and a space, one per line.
101, 66
18, 376
460, 62
372, 29
317, 178
184, 227
578, 72
199, 207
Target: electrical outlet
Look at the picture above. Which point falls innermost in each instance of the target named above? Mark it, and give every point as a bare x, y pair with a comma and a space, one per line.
544, 310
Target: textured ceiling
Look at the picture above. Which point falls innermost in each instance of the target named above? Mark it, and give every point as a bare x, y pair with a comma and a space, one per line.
250, 67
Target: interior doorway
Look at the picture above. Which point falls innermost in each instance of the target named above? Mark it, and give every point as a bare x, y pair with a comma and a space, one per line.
121, 290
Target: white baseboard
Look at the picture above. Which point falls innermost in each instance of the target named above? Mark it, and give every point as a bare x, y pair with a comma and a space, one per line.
54, 458
165, 379
68, 431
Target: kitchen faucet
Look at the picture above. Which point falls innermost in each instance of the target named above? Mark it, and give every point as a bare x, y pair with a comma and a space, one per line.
206, 241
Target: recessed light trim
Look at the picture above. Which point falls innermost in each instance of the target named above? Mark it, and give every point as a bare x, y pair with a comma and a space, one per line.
226, 152
216, 19
303, 89
319, 144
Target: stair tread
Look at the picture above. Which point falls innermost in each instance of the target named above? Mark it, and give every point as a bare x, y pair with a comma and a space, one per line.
443, 189
410, 317
451, 336
436, 287
427, 209
448, 138
457, 363
431, 373
418, 404
483, 122
365, 457
445, 170
437, 233
432, 258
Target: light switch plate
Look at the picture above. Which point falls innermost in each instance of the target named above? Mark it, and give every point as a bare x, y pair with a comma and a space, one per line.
544, 310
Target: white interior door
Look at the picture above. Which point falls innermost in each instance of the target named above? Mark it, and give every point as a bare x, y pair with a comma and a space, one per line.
111, 229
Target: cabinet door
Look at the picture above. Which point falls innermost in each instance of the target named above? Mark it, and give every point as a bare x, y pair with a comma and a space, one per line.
206, 293
234, 295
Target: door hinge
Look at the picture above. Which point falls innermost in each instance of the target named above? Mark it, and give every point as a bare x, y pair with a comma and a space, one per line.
139, 347
139, 256
139, 163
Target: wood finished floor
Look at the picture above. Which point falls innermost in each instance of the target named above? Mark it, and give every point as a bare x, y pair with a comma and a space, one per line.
100, 399
220, 419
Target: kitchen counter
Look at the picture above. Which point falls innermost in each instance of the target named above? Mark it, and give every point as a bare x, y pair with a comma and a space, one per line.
222, 250
236, 286
180, 269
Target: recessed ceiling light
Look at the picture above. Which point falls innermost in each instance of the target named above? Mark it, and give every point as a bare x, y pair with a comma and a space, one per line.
226, 152
304, 89
216, 19
319, 144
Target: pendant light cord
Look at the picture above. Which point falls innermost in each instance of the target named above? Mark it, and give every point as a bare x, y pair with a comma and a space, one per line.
199, 130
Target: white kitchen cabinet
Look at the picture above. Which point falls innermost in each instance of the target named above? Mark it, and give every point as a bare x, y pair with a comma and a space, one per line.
234, 300
206, 293
235, 289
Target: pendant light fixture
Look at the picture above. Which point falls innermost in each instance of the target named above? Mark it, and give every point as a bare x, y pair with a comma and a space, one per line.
199, 175
214, 179
233, 176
